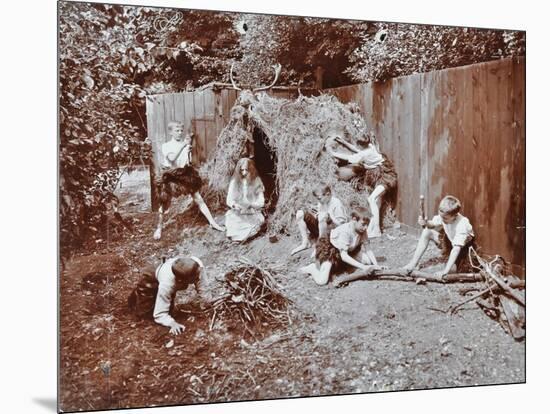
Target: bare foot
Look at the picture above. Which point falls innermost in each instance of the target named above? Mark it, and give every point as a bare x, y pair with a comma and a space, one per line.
157, 234
300, 248
308, 270
409, 267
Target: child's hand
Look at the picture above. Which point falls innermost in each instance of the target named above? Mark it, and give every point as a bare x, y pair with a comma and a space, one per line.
177, 328
422, 221
441, 273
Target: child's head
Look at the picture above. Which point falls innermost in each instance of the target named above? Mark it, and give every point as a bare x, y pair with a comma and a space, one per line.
323, 193
360, 217
245, 169
449, 207
187, 271
176, 130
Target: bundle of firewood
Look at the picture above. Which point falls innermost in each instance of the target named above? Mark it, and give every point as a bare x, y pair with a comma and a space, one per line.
253, 296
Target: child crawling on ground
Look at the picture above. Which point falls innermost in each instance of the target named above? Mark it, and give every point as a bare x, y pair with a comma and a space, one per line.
451, 232
156, 290
313, 224
346, 245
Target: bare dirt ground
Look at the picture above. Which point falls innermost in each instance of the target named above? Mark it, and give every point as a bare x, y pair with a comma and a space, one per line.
369, 336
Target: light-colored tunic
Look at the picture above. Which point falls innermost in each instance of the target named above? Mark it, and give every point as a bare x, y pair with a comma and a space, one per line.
242, 224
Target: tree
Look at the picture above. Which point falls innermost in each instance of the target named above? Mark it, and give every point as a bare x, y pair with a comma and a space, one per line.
301, 45
399, 49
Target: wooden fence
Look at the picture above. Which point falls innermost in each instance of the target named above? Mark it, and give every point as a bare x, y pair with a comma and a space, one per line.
206, 112
457, 131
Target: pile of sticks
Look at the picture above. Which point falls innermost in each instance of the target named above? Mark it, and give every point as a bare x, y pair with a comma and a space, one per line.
253, 296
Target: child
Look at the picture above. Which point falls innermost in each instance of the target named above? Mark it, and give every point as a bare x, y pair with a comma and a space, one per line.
451, 232
157, 289
178, 176
315, 224
245, 198
346, 245
376, 169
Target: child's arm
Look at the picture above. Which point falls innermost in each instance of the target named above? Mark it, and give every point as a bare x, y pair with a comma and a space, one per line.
429, 224
351, 261
453, 255
259, 202
161, 312
372, 258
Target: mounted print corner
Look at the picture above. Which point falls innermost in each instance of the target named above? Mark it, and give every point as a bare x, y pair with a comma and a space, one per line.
259, 206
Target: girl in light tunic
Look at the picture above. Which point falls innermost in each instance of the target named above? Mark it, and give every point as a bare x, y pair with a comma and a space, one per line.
245, 198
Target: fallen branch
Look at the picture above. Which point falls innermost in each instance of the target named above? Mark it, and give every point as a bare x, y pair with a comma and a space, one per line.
413, 276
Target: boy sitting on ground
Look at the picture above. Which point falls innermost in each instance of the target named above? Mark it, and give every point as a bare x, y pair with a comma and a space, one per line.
451, 232
155, 293
314, 224
347, 245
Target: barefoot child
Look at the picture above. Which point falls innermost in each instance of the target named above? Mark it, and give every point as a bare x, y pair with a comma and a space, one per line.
312, 224
178, 176
376, 169
451, 232
155, 293
347, 245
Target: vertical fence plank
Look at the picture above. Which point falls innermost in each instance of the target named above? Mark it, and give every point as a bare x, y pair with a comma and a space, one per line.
179, 107
517, 201
210, 122
218, 115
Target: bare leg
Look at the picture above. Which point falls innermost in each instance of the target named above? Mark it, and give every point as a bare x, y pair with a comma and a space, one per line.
375, 200
197, 198
158, 231
423, 242
304, 234
321, 277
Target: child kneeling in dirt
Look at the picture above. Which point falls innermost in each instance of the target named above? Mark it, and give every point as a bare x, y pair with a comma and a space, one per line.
346, 245
314, 224
451, 232
155, 293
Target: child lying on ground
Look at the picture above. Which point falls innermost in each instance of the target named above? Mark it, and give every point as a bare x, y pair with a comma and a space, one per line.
347, 245
451, 232
313, 224
155, 293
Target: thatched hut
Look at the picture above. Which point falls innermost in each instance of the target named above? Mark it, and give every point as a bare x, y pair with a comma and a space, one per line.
286, 138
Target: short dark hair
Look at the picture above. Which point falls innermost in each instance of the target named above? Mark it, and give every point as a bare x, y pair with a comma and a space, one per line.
186, 270
321, 190
361, 213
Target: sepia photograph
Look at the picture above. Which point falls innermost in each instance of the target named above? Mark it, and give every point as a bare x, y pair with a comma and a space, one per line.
265, 206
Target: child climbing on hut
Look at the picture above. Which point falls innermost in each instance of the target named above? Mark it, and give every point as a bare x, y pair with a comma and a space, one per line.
347, 244
156, 290
178, 176
315, 223
245, 198
375, 168
451, 232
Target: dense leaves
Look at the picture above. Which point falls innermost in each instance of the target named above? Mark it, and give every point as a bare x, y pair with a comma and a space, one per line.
399, 49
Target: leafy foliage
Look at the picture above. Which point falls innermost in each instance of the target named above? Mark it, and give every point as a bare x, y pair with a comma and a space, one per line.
301, 45
399, 49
